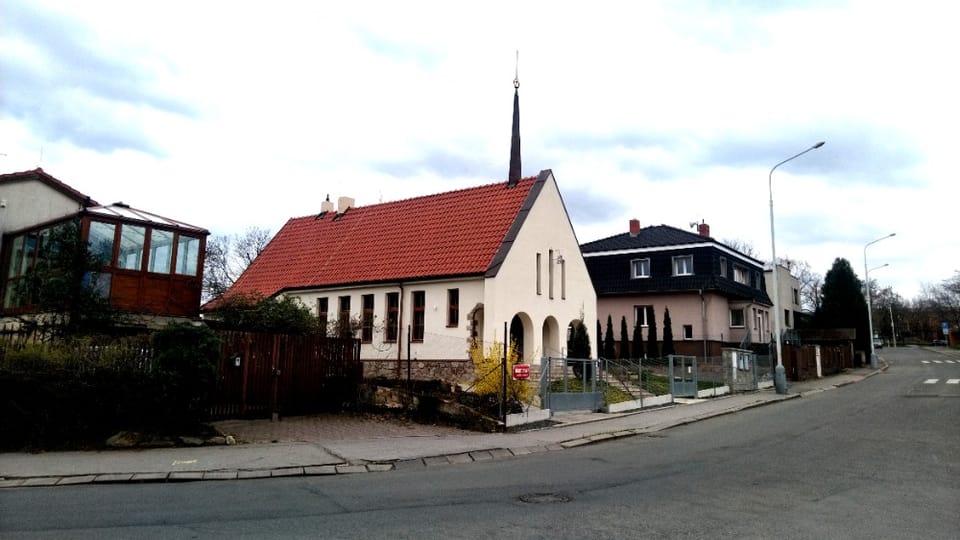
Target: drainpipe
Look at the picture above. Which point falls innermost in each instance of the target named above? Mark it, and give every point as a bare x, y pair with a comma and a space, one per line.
703, 322
399, 339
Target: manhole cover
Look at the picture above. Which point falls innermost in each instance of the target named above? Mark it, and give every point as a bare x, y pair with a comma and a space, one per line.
544, 498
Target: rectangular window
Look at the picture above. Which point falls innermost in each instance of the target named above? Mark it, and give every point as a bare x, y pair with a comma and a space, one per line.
130, 256
796, 297
786, 318
641, 315
393, 317
740, 274
736, 318
757, 280
343, 319
100, 237
188, 255
639, 268
683, 265
419, 314
550, 272
756, 319
539, 272
563, 279
323, 307
723, 267
161, 251
366, 323
453, 308
688, 331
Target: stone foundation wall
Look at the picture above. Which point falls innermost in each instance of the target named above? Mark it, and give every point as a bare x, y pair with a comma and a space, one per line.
452, 371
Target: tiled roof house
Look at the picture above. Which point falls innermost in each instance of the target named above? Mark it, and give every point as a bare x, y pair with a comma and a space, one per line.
442, 270
716, 295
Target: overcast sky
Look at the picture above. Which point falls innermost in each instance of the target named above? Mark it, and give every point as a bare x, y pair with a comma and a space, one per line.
235, 114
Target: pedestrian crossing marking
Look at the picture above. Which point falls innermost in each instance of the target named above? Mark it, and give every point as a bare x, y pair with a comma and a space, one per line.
926, 361
938, 361
953, 381
949, 361
931, 381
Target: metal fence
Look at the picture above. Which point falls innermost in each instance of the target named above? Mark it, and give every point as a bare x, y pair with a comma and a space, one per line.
570, 384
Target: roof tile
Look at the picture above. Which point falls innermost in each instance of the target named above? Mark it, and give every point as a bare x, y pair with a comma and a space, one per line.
446, 234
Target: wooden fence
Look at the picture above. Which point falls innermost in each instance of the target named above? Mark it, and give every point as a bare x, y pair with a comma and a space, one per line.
800, 362
270, 374
259, 375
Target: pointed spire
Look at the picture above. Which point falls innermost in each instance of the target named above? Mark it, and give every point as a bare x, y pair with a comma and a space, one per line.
515, 172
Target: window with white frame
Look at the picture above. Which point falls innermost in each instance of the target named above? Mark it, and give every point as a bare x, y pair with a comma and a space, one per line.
641, 315
683, 265
688, 331
639, 268
736, 318
740, 274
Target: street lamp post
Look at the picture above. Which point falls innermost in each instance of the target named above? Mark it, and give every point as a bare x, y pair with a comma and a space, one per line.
866, 277
779, 374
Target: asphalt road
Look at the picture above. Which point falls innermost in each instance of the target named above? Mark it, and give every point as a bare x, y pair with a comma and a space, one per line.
878, 459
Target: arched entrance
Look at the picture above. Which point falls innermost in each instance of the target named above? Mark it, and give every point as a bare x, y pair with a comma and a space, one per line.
551, 338
521, 335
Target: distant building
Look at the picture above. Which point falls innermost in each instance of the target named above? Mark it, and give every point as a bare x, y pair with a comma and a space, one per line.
715, 294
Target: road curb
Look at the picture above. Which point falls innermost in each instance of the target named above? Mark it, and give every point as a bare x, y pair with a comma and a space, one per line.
475, 456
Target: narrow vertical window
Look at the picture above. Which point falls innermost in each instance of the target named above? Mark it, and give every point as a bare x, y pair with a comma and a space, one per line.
343, 320
322, 310
453, 308
393, 316
723, 267
539, 274
419, 314
550, 273
688, 331
563, 279
366, 322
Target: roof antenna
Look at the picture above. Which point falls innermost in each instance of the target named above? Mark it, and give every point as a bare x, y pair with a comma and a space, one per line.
514, 176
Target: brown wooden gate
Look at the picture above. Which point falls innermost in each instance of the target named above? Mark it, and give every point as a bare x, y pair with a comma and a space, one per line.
262, 375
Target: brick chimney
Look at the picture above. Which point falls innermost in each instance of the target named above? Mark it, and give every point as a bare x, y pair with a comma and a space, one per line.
634, 227
704, 230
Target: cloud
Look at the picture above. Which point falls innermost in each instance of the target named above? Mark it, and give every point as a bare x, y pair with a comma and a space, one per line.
72, 86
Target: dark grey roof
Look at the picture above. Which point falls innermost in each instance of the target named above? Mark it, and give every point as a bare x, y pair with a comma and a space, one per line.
649, 237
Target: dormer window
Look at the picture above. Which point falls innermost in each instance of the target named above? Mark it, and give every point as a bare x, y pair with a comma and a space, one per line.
683, 265
741, 274
640, 268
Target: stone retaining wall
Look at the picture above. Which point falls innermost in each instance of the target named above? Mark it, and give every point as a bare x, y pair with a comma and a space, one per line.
452, 371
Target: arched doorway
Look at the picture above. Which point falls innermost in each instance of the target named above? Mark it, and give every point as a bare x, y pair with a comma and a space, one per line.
522, 334
551, 338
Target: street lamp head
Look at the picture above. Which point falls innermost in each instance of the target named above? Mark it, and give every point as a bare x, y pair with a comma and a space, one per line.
819, 144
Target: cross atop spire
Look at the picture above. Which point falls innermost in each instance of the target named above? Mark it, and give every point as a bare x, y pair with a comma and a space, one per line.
515, 171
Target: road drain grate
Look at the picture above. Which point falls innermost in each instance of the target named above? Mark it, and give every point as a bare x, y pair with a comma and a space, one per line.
544, 498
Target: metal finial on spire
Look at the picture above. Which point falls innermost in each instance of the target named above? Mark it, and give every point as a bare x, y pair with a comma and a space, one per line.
516, 73
515, 170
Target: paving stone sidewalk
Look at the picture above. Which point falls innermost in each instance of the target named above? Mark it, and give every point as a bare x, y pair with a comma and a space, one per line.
358, 443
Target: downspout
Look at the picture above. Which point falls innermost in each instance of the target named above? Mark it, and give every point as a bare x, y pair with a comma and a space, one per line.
703, 322
400, 334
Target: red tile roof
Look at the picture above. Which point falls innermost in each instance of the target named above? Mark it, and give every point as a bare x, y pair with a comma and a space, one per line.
456, 233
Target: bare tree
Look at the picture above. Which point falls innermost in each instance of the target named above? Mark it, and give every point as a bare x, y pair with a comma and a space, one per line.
743, 246
810, 283
228, 256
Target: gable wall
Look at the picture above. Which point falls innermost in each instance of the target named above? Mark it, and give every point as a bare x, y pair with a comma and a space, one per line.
514, 289
32, 202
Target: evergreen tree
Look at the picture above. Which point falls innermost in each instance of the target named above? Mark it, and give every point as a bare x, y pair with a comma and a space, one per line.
653, 348
667, 333
609, 344
624, 339
843, 304
637, 350
579, 344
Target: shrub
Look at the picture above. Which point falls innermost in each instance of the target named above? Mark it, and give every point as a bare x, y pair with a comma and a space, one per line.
185, 359
487, 380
